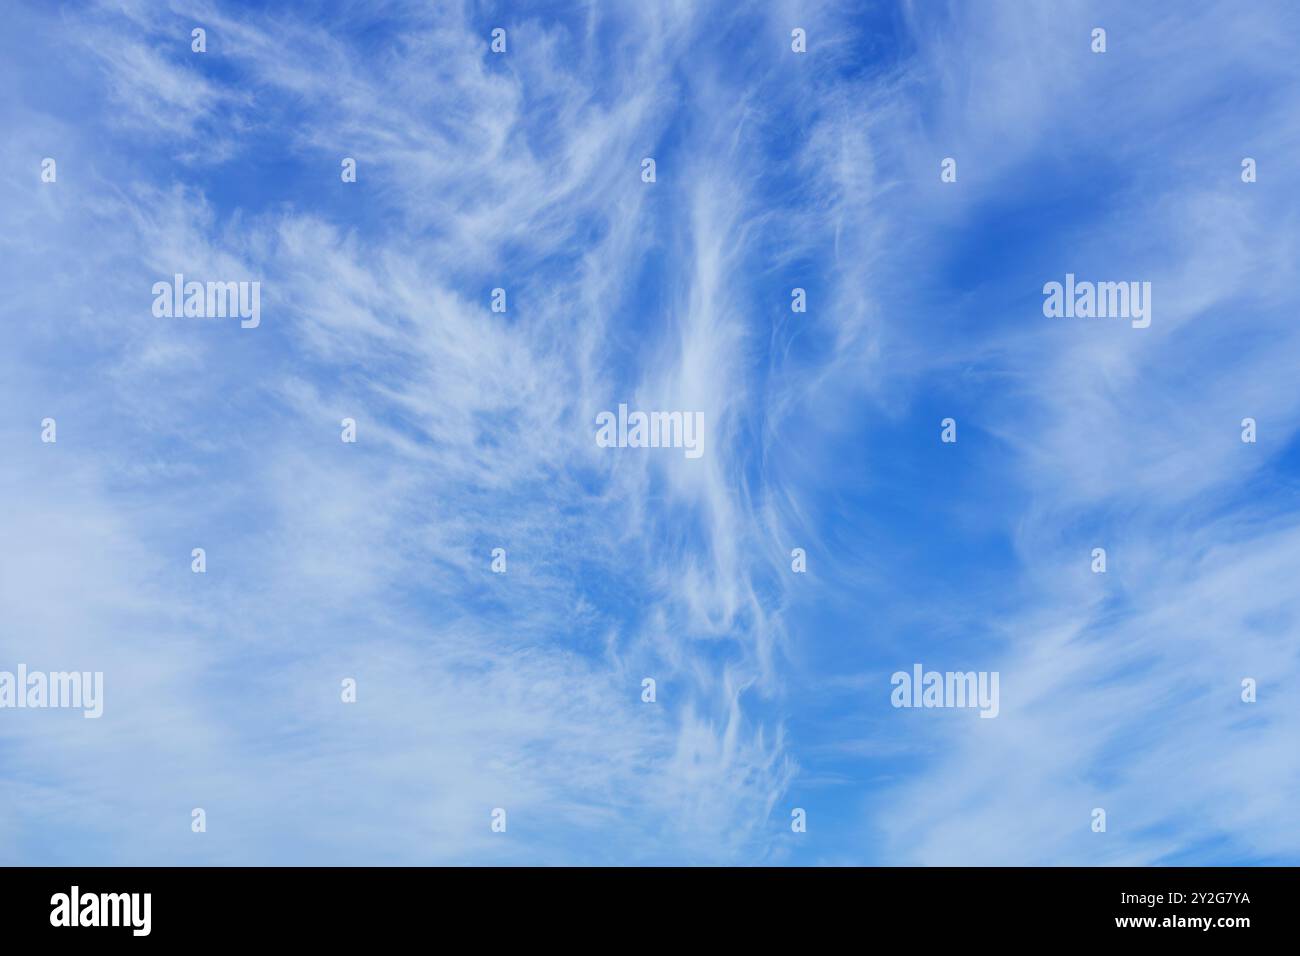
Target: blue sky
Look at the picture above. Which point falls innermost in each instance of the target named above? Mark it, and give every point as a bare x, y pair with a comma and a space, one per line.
522, 690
